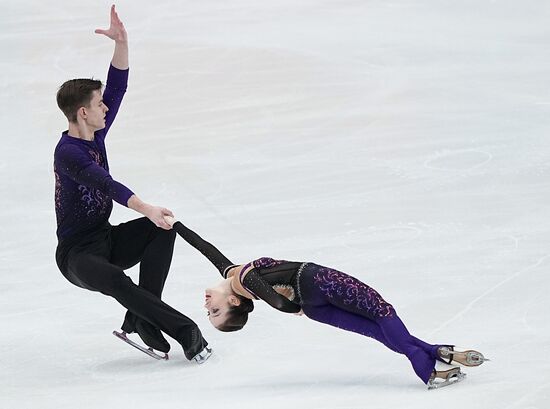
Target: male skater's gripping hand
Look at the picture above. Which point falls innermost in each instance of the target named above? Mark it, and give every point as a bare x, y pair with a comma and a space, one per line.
154, 213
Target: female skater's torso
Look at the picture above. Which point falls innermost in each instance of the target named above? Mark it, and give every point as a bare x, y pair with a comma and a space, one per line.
281, 275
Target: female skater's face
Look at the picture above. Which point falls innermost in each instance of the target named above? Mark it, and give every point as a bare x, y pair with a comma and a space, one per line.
218, 300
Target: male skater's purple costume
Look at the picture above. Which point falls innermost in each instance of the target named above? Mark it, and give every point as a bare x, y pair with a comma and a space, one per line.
93, 254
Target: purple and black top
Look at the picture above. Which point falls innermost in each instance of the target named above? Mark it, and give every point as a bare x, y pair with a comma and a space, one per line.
84, 189
262, 274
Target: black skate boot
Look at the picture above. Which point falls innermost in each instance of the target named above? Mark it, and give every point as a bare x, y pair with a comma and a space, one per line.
129, 324
450, 355
151, 336
198, 350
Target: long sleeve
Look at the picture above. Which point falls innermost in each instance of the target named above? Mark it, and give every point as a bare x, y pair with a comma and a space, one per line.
82, 169
207, 249
117, 83
260, 288
84, 189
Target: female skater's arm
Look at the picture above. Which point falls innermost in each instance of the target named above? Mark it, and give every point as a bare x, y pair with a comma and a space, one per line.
207, 249
254, 283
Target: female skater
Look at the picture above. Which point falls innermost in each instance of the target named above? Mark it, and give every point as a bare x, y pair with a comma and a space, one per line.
322, 294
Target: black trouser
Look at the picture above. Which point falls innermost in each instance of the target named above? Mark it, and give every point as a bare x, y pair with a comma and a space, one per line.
97, 263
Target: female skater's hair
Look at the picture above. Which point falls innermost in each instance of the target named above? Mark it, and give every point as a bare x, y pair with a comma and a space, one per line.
237, 315
76, 93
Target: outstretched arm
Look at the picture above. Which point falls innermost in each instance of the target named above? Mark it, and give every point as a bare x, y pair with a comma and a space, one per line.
114, 91
207, 249
117, 32
81, 168
117, 78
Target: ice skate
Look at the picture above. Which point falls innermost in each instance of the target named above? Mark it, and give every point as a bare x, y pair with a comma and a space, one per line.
197, 348
151, 336
149, 351
203, 356
449, 355
440, 379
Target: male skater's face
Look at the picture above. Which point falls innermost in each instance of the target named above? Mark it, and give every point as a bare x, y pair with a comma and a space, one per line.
94, 114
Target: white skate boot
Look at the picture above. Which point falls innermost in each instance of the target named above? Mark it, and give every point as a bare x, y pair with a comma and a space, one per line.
450, 355
440, 379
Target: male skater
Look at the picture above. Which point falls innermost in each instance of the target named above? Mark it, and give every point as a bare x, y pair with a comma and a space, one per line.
91, 253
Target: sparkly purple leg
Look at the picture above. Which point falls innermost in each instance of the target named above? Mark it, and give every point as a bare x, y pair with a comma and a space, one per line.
342, 301
395, 331
430, 349
333, 316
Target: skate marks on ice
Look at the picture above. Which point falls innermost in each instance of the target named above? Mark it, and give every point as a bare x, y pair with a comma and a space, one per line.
396, 235
135, 366
487, 292
458, 160
386, 238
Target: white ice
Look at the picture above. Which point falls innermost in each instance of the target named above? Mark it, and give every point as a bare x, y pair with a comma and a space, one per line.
404, 142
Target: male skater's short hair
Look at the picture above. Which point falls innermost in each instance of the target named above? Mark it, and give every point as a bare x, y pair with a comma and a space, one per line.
76, 93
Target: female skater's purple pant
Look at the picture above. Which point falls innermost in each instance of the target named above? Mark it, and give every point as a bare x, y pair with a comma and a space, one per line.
335, 298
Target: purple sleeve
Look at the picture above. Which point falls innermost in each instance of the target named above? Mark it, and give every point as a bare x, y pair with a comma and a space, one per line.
117, 82
81, 168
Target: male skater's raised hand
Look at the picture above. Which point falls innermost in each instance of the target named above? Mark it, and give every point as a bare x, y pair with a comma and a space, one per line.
117, 32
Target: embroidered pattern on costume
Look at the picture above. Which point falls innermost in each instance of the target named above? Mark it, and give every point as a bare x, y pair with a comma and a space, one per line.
352, 292
267, 262
95, 200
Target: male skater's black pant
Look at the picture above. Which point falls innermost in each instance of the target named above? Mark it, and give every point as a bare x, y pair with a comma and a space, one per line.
97, 262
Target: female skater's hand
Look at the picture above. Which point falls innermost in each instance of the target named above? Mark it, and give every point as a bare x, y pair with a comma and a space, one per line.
116, 31
170, 220
157, 214
301, 312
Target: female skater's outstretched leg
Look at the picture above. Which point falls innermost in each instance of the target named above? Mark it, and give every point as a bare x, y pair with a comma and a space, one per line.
322, 286
328, 314
422, 360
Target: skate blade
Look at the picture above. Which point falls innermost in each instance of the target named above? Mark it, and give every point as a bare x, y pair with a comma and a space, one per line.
466, 357
451, 380
474, 358
203, 356
149, 351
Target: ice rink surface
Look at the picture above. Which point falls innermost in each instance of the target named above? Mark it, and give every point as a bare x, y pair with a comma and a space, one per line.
403, 142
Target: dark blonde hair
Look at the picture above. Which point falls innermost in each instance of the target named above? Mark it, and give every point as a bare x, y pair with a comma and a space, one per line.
237, 316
